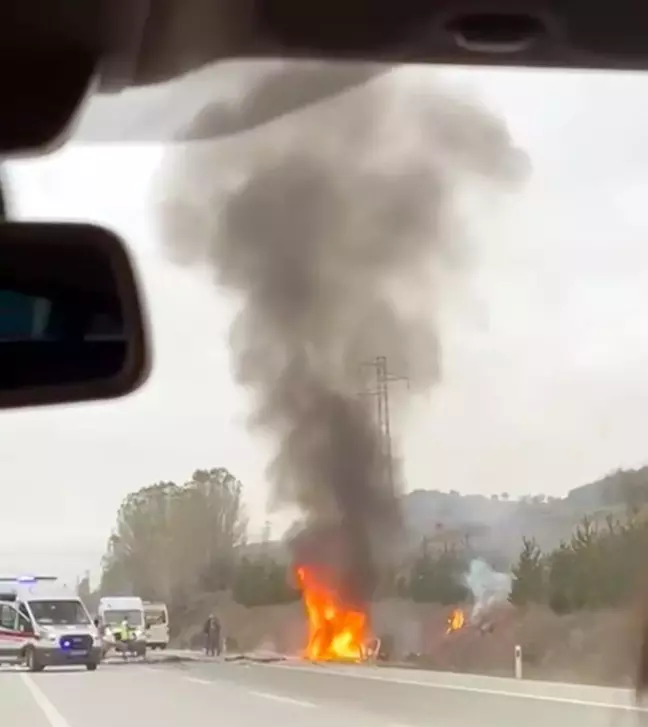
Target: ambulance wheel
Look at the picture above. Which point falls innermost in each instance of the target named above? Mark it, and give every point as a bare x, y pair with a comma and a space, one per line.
33, 664
91, 666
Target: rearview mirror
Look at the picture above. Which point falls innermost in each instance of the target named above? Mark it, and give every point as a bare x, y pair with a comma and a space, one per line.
71, 321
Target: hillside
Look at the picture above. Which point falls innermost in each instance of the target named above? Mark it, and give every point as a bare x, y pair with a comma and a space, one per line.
494, 526
568, 606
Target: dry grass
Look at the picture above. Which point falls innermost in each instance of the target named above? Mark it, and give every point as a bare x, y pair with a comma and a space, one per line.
589, 647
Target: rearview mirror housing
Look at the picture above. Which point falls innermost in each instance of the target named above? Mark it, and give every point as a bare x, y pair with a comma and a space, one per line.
72, 325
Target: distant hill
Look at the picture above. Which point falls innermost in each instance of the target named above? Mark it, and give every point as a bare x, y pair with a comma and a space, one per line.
494, 526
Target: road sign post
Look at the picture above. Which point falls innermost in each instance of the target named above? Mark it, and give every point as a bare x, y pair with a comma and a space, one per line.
518, 661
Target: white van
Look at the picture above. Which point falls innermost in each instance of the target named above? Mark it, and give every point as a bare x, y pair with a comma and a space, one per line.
157, 625
43, 624
112, 611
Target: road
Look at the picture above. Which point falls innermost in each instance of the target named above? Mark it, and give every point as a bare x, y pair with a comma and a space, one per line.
244, 694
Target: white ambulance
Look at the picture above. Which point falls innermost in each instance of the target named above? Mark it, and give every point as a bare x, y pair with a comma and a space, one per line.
45, 624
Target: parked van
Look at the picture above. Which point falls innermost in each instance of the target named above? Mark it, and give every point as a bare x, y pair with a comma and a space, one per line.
113, 611
157, 625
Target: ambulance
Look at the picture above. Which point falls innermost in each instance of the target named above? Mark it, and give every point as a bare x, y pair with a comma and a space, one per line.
45, 624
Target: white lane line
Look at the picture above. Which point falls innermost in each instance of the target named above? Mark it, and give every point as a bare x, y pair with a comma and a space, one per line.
466, 688
285, 700
263, 695
53, 716
195, 680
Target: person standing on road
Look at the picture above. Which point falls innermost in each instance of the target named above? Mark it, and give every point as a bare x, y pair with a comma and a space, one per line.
212, 636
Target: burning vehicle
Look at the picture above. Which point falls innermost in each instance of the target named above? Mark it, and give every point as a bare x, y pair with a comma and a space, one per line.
336, 602
335, 631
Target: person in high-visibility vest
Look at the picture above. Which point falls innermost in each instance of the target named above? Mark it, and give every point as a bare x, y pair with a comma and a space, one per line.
124, 632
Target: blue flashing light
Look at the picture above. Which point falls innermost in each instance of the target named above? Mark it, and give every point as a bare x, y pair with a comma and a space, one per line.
66, 644
26, 579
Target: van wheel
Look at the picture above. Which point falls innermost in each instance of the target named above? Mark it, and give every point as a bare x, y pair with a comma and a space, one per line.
91, 666
33, 664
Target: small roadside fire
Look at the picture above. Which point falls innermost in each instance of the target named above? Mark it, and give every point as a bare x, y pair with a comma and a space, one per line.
456, 620
335, 632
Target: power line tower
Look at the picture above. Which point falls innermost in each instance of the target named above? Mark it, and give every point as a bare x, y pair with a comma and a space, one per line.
380, 391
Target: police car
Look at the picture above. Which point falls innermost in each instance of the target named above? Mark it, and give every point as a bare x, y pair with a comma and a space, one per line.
42, 625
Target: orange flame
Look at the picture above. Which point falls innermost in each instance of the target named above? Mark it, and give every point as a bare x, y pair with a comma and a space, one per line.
334, 632
456, 620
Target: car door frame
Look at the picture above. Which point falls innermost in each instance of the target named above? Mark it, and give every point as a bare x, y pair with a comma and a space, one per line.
15, 632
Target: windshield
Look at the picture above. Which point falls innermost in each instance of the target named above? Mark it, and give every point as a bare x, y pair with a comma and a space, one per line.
59, 613
398, 408
114, 618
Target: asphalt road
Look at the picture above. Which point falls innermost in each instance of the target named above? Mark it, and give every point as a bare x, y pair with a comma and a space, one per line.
243, 694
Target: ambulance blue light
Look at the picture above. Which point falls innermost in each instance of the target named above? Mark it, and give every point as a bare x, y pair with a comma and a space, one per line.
26, 579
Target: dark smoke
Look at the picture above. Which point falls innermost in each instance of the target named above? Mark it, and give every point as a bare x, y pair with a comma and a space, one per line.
335, 238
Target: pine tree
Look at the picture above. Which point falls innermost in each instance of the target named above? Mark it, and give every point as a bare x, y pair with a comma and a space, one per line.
528, 575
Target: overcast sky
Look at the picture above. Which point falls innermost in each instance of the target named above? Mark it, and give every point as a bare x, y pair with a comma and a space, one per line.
545, 383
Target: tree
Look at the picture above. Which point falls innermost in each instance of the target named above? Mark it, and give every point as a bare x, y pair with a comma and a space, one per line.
170, 539
435, 577
262, 581
212, 511
560, 586
84, 590
599, 567
528, 575
140, 555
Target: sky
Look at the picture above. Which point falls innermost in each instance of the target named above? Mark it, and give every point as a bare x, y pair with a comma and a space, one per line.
544, 342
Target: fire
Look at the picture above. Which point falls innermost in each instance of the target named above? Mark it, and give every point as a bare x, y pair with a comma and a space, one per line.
334, 631
456, 620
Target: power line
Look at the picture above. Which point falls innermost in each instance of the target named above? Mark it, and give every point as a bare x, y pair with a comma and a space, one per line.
383, 381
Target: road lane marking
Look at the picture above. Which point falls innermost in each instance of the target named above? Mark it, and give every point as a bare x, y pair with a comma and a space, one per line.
264, 695
466, 688
53, 716
285, 700
195, 680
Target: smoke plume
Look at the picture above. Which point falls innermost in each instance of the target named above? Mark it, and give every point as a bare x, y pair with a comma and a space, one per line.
334, 235
488, 587
274, 90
